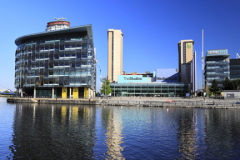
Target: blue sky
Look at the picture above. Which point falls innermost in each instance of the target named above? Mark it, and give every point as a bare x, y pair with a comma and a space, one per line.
152, 29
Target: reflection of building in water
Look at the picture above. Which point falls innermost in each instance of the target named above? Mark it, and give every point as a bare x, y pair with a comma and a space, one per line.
53, 131
187, 135
221, 132
113, 124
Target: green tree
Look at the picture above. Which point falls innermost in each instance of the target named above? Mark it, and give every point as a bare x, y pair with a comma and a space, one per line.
235, 84
227, 85
214, 88
108, 89
6, 92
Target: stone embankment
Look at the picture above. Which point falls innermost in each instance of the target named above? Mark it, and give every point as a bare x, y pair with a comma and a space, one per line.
54, 101
136, 101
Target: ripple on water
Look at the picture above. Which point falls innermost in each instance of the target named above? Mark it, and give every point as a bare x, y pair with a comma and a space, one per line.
92, 132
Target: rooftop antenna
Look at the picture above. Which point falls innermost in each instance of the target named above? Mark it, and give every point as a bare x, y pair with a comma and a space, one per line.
59, 19
237, 56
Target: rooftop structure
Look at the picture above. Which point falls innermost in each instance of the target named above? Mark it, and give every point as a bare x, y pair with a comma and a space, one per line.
56, 25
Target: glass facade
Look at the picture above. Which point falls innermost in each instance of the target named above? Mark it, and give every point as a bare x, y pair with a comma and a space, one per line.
234, 69
217, 66
150, 89
66, 59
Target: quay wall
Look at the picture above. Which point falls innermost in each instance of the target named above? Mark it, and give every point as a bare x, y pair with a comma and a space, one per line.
136, 102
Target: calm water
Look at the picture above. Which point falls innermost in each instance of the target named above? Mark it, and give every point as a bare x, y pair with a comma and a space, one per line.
30, 131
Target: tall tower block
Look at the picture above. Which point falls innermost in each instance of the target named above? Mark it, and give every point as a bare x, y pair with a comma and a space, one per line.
115, 54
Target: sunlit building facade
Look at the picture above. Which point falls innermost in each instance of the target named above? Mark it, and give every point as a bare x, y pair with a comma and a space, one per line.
115, 54
217, 66
58, 63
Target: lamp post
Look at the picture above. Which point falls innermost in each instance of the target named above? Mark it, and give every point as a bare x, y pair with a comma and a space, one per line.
206, 87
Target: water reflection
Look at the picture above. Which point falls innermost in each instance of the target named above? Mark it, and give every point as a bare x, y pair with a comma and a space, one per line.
113, 125
61, 132
95, 132
187, 135
222, 134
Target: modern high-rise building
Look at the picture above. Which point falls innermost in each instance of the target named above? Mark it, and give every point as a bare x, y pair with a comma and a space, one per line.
216, 66
115, 54
185, 56
57, 63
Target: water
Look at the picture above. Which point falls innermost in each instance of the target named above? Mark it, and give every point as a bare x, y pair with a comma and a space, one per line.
48, 131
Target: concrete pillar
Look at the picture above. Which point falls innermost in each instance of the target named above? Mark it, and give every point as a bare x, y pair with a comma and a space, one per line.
89, 93
52, 93
34, 93
70, 92
21, 93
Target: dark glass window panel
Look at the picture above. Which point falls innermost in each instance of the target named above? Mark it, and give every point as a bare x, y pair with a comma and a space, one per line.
50, 72
66, 82
66, 63
61, 72
78, 51
78, 44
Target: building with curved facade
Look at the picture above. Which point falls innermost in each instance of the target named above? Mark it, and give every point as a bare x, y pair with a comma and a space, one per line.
57, 63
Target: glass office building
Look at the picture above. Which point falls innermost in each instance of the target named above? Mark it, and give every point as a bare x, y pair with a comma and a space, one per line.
59, 63
162, 83
150, 89
217, 66
234, 69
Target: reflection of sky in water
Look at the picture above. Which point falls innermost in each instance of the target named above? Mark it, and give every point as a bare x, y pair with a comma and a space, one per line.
32, 131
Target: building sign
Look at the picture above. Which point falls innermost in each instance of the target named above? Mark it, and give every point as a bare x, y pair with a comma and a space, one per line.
133, 79
189, 45
167, 75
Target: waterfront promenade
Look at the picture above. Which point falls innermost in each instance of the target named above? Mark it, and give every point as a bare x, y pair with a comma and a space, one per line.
139, 101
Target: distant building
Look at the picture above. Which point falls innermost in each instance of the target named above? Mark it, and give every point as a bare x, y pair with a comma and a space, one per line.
187, 64
115, 54
185, 56
160, 83
216, 66
5, 90
234, 69
58, 63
